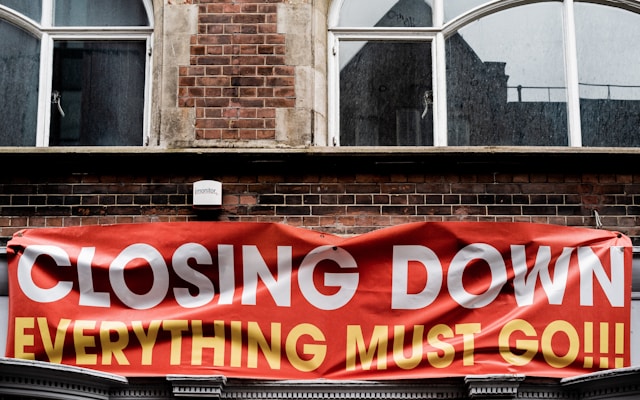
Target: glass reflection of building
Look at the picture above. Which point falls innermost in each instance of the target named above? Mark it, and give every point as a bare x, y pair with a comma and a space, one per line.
479, 111
386, 88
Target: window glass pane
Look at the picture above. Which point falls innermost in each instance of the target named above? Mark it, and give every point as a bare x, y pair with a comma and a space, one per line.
608, 41
385, 94
506, 80
19, 70
101, 84
386, 13
30, 8
100, 13
455, 8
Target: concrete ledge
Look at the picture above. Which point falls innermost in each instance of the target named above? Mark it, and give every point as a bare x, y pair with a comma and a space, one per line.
370, 159
36, 379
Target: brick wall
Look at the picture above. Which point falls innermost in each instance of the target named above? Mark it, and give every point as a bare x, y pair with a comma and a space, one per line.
341, 203
237, 76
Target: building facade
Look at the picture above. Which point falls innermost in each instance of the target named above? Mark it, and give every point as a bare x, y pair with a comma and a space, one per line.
342, 116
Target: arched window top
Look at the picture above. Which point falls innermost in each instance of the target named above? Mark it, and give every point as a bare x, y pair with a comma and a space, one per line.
453, 9
82, 13
408, 13
460, 12
385, 13
100, 13
31, 9
424, 13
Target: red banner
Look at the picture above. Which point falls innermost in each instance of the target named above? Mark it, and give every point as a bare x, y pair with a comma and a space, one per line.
271, 301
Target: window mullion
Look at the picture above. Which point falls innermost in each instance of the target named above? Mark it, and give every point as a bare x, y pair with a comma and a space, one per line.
46, 74
44, 93
439, 92
146, 133
439, 78
438, 13
333, 72
47, 13
573, 90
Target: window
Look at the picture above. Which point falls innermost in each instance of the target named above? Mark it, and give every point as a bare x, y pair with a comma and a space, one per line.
608, 53
386, 74
74, 72
484, 73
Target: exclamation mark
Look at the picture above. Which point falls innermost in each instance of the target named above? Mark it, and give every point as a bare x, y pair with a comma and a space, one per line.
619, 362
604, 345
588, 344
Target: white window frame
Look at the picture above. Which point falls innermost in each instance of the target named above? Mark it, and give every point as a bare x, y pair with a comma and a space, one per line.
438, 35
48, 34
413, 35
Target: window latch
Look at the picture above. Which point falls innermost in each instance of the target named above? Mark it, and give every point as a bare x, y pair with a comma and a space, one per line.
56, 97
427, 100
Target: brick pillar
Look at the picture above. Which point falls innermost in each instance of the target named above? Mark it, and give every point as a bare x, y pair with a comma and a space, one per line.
237, 76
